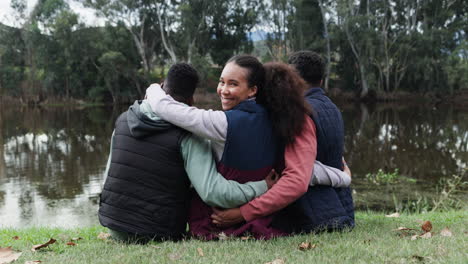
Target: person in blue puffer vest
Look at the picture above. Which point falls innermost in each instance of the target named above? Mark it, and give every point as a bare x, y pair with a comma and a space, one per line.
322, 207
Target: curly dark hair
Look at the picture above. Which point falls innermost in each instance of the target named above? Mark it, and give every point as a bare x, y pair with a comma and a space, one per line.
256, 75
181, 81
310, 65
283, 97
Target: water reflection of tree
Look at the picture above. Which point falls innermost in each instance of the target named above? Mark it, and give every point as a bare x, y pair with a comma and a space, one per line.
57, 150
422, 142
2, 149
2, 158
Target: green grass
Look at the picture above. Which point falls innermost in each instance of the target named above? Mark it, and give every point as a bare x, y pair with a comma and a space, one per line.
372, 241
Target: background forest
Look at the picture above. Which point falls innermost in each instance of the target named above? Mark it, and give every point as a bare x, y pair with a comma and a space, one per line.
373, 47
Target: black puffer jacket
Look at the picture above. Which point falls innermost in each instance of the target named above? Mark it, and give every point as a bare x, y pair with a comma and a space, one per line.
146, 191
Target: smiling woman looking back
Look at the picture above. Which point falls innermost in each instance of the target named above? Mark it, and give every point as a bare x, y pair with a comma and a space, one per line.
243, 139
233, 87
245, 145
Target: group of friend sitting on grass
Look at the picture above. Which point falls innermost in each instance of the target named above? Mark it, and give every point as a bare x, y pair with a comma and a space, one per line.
269, 165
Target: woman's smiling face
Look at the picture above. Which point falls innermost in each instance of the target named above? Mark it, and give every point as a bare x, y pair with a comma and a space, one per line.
233, 86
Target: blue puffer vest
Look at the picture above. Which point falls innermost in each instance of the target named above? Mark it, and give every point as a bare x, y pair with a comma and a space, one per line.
322, 207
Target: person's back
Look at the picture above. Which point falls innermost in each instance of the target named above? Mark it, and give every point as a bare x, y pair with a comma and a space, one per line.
146, 192
326, 115
330, 128
322, 207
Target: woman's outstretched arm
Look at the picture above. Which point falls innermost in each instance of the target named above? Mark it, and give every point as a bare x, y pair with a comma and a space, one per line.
207, 124
329, 176
212, 187
299, 159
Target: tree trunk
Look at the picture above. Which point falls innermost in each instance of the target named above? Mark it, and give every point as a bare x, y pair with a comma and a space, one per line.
138, 39
190, 51
67, 87
1, 87
364, 85
167, 46
362, 69
2, 148
327, 38
388, 65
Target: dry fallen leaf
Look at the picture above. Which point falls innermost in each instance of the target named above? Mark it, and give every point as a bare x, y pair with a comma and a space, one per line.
306, 246
446, 232
276, 261
223, 236
76, 238
8, 255
46, 244
103, 236
426, 235
426, 226
16, 238
200, 252
393, 215
403, 229
71, 244
245, 238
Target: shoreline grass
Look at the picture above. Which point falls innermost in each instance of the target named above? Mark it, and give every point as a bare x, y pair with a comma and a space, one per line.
372, 241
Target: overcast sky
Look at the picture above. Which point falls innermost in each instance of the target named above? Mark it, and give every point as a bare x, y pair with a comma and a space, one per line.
86, 14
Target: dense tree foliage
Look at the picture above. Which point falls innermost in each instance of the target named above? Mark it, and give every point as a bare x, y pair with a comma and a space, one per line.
383, 46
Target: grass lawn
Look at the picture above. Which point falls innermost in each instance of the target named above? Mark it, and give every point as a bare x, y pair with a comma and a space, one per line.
372, 241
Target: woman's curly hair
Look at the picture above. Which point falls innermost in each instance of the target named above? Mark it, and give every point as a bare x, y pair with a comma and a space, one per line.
283, 97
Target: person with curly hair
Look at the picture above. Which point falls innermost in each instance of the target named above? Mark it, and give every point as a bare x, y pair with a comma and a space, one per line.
247, 140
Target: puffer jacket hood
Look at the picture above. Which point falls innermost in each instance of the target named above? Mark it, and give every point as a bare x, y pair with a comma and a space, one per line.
142, 121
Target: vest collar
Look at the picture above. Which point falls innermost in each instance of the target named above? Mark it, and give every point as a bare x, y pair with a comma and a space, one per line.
314, 90
249, 105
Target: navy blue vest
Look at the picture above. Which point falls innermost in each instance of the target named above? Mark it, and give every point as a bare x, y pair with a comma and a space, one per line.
250, 141
330, 128
250, 151
322, 207
147, 189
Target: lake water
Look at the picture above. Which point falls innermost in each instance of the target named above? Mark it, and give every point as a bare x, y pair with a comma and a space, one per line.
52, 159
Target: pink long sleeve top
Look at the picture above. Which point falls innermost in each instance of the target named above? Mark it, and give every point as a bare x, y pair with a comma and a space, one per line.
299, 160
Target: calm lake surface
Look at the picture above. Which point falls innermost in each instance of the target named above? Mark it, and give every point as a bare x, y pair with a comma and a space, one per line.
52, 159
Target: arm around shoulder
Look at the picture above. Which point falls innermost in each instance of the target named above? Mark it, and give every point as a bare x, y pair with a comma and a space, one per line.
205, 123
329, 176
295, 178
212, 187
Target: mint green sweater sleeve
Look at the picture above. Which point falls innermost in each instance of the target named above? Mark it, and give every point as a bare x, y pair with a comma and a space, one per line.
212, 187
